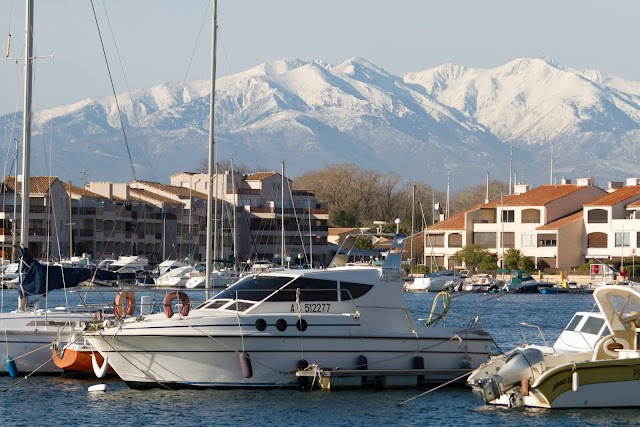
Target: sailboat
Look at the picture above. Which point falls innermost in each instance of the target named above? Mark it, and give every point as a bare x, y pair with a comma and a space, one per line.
29, 332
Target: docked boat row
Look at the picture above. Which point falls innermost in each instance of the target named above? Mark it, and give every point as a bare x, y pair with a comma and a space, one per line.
517, 281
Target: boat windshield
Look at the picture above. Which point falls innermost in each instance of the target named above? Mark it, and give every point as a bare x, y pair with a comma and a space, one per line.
289, 289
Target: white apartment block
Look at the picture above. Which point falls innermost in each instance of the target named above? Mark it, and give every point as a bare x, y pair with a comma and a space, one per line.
545, 223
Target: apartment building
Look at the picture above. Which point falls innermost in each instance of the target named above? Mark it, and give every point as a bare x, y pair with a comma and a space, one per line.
612, 222
48, 217
258, 215
273, 221
543, 223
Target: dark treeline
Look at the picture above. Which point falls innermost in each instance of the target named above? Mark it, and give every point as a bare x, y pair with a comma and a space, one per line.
357, 196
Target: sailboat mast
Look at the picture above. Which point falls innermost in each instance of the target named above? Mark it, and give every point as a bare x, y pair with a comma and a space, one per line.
26, 126
235, 203
282, 214
212, 144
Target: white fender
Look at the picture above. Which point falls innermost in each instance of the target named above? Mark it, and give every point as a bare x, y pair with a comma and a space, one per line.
100, 371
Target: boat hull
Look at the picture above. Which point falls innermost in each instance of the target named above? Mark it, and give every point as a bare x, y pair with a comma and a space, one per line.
601, 384
27, 338
77, 361
213, 361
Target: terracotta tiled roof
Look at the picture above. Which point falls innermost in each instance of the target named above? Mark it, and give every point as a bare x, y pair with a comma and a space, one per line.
182, 192
259, 176
542, 195
498, 202
559, 223
338, 231
140, 193
635, 204
37, 184
455, 222
79, 191
617, 196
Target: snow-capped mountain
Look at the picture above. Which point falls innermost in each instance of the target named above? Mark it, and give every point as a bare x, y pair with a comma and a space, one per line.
310, 114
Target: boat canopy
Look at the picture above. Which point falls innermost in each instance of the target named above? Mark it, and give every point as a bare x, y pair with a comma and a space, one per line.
38, 279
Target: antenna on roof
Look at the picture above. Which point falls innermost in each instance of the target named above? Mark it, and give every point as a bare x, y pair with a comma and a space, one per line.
510, 167
551, 173
486, 197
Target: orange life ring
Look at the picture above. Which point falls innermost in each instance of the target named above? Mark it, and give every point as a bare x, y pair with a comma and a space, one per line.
125, 304
184, 301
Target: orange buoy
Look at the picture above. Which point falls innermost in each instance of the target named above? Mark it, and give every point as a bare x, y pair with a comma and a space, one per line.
184, 301
125, 304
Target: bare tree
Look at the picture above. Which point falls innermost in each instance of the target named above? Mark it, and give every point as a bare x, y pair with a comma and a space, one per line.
223, 165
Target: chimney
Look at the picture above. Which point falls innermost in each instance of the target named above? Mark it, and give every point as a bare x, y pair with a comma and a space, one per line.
565, 181
632, 182
584, 182
614, 185
521, 188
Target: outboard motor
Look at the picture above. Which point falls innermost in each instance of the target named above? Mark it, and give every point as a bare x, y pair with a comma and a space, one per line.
527, 363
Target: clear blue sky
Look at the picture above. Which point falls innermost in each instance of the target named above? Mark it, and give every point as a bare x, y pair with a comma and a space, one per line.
156, 38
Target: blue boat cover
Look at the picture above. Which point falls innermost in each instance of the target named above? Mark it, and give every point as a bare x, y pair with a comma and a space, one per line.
38, 279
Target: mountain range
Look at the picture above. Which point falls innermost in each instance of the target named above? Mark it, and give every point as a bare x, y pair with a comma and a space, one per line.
307, 113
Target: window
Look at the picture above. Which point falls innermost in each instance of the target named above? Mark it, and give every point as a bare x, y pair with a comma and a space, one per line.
528, 240
349, 291
508, 216
597, 216
622, 240
485, 238
592, 325
574, 323
597, 240
435, 240
546, 240
455, 240
508, 240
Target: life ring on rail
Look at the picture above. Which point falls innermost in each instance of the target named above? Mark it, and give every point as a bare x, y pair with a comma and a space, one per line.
184, 301
125, 304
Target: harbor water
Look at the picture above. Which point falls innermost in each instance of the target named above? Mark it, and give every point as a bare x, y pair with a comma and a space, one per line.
54, 399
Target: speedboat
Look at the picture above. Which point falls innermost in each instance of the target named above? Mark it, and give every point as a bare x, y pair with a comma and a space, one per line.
443, 280
523, 282
603, 376
265, 327
177, 277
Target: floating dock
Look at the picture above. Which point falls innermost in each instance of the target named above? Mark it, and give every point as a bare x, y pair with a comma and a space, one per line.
342, 379
566, 291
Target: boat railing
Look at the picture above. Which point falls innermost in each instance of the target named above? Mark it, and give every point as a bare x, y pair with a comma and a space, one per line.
541, 332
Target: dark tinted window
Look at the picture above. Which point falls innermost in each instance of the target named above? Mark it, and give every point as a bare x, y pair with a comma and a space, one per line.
349, 291
574, 322
592, 325
310, 290
240, 306
216, 304
254, 288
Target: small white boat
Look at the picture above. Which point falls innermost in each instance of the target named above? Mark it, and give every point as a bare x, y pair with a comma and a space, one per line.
177, 277
575, 375
219, 279
443, 280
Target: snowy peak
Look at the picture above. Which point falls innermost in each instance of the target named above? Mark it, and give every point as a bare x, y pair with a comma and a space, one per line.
310, 114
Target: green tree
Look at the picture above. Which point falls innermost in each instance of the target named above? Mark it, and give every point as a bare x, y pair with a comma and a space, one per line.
526, 263
512, 258
473, 256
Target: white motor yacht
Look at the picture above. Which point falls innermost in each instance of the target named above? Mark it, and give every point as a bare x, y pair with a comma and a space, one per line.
259, 331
